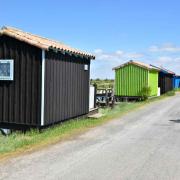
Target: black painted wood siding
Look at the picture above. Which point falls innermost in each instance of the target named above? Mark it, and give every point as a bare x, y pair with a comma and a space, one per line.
20, 99
165, 83
66, 87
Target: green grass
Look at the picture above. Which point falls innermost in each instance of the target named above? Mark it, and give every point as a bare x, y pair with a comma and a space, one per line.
171, 93
177, 89
19, 142
59, 132
103, 83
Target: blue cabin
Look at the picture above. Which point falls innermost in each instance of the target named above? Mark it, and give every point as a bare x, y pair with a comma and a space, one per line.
176, 82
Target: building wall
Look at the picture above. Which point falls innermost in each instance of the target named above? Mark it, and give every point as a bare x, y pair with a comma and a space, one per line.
20, 98
153, 82
165, 82
176, 82
129, 80
66, 87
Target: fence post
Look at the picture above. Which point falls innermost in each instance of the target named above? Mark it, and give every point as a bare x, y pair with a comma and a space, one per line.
95, 92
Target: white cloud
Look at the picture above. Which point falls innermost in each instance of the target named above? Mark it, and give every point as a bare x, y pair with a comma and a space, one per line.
119, 52
168, 56
108, 56
164, 60
134, 55
118, 55
168, 62
98, 51
105, 61
167, 47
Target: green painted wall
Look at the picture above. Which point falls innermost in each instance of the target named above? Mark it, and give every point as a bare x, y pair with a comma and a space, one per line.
153, 82
130, 80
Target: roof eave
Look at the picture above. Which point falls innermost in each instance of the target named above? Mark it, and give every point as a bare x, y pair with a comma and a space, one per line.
4, 31
131, 62
23, 40
63, 51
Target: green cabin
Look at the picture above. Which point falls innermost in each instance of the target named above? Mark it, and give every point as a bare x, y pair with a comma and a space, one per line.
133, 76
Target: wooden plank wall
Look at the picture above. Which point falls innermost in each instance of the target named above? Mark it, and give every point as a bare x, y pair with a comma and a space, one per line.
20, 98
165, 82
66, 87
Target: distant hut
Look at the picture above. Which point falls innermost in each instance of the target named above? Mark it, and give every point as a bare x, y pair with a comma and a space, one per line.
42, 81
166, 78
132, 77
176, 82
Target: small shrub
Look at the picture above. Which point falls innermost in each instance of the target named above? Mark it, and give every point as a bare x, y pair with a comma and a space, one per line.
177, 89
170, 93
145, 93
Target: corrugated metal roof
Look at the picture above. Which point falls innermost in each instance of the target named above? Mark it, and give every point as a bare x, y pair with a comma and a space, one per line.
168, 71
41, 42
137, 63
164, 70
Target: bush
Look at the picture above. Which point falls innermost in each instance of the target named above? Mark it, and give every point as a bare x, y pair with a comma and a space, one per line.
170, 93
177, 89
145, 93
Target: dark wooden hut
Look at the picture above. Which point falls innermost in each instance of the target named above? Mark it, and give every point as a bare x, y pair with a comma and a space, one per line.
42, 82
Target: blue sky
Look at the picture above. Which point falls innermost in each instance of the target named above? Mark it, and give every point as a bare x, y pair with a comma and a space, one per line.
114, 30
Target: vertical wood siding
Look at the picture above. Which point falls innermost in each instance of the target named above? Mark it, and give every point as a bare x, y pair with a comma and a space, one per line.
153, 82
66, 87
20, 98
165, 82
176, 82
130, 80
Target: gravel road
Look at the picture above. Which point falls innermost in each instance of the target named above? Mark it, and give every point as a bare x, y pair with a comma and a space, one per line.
143, 145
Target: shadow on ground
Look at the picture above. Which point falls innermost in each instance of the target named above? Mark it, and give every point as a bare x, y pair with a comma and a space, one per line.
175, 121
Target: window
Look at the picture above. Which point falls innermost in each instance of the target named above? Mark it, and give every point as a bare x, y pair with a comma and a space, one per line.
6, 69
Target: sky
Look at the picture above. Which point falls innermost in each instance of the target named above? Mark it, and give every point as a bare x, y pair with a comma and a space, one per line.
115, 31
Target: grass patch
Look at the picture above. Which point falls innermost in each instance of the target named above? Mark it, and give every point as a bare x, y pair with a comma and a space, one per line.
171, 93
177, 89
103, 83
18, 142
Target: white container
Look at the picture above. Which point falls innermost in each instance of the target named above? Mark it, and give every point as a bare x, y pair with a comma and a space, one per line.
159, 91
91, 97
